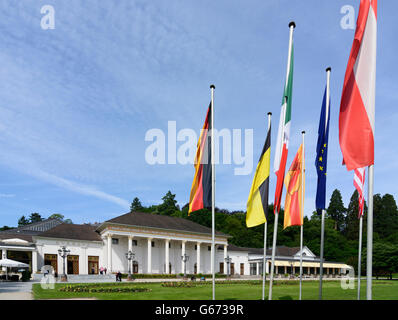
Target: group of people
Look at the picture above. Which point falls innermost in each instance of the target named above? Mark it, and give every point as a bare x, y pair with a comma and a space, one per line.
102, 270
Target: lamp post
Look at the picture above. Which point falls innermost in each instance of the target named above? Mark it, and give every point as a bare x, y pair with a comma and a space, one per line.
130, 256
63, 253
184, 259
228, 261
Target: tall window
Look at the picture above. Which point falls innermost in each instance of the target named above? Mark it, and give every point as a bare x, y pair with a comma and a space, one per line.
253, 269
115, 241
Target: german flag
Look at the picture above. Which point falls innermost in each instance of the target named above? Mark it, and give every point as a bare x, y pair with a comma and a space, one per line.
201, 186
257, 204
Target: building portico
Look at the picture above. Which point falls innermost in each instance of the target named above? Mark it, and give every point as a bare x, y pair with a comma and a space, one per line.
159, 252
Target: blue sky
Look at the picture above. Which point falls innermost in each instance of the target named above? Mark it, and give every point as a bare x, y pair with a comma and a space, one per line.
76, 101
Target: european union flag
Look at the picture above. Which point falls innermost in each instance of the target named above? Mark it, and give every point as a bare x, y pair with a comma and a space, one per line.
322, 155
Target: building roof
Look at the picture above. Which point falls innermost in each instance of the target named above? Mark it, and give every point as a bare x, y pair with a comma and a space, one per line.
72, 231
26, 232
141, 219
279, 250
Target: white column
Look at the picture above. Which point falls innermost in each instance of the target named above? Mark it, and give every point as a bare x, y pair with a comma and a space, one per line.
182, 254
149, 255
198, 270
130, 248
109, 267
4, 256
257, 268
225, 256
166, 253
83, 262
34, 262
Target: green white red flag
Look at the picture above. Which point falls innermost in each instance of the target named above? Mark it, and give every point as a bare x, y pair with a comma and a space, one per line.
282, 145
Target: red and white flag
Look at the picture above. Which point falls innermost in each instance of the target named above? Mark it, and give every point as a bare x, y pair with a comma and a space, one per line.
357, 109
359, 182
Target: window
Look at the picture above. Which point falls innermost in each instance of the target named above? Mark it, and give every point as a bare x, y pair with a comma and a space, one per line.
208, 248
115, 241
135, 243
196, 247
169, 244
153, 244
253, 269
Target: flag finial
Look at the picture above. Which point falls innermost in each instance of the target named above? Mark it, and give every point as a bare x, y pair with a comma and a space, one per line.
303, 132
292, 24
270, 113
212, 86
328, 69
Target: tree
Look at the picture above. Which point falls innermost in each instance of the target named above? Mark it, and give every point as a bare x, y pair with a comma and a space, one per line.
336, 210
385, 215
136, 205
60, 217
385, 259
351, 230
4, 228
23, 221
57, 216
169, 205
35, 217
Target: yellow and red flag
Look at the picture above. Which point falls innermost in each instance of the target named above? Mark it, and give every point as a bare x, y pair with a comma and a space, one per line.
295, 185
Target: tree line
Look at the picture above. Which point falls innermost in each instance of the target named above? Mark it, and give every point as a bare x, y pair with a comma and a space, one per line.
36, 217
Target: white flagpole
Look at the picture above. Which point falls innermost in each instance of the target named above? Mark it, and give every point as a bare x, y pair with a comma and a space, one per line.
292, 25
301, 227
264, 257
369, 254
213, 193
360, 256
328, 71
265, 224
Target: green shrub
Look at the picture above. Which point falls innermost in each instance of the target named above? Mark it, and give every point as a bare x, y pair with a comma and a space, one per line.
26, 275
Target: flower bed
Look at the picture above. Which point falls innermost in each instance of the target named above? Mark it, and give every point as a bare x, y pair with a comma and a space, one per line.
181, 284
102, 289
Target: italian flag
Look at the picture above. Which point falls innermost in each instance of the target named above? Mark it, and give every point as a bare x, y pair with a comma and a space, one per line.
357, 109
282, 145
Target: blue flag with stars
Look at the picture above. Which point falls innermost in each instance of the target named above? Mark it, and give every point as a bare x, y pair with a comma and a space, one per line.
322, 155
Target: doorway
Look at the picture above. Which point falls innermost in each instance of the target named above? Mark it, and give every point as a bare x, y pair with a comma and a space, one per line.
242, 269
51, 260
73, 264
232, 269
93, 262
135, 266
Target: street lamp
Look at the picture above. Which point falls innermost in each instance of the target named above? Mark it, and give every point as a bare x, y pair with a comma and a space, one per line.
63, 253
184, 259
228, 261
130, 256
291, 270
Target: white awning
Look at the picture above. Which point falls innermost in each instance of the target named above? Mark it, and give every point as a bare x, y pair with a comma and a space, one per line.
307, 264
12, 264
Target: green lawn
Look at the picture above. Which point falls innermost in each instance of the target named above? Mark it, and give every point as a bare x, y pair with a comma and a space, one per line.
382, 290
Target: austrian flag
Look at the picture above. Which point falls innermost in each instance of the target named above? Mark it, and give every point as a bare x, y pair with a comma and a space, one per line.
357, 109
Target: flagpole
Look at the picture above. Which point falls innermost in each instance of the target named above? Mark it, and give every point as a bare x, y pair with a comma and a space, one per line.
328, 71
369, 253
301, 227
360, 256
292, 25
213, 193
265, 225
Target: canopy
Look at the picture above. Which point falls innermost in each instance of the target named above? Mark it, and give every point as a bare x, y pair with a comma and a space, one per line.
12, 264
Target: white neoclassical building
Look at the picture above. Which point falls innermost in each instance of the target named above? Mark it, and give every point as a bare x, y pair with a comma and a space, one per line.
157, 242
